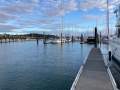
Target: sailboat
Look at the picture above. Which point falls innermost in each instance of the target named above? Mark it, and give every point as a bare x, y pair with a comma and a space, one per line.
58, 41
61, 40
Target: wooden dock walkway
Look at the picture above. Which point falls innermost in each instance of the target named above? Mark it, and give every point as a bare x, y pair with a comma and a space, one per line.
94, 75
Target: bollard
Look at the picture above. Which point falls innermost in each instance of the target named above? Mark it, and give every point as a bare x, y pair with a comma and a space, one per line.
110, 56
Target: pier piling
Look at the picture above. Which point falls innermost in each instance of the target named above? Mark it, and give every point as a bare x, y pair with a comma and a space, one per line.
110, 56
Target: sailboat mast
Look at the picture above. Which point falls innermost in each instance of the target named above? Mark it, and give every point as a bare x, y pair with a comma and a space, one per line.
62, 1
108, 32
109, 48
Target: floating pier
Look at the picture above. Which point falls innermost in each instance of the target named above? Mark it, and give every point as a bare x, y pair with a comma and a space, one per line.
93, 75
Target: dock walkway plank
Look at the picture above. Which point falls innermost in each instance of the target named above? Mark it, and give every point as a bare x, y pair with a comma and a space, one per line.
94, 75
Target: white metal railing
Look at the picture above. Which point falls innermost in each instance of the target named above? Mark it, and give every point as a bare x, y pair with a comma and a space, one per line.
112, 79
77, 78
107, 63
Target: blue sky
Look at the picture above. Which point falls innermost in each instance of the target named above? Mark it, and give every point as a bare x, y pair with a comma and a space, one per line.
25, 16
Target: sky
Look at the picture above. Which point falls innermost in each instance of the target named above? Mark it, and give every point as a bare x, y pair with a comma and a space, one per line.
54, 16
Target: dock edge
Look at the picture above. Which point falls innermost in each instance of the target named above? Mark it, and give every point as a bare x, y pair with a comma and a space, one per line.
110, 74
78, 74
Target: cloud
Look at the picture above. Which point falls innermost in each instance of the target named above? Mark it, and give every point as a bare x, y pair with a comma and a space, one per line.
14, 9
57, 8
51, 8
98, 4
4, 17
94, 17
91, 17
40, 13
35, 1
91, 4
7, 28
35, 22
19, 7
11, 10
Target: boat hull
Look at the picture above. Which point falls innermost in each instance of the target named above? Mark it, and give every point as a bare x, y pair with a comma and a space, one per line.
115, 48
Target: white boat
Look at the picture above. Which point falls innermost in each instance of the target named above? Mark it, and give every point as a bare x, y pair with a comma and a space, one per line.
115, 42
115, 48
57, 41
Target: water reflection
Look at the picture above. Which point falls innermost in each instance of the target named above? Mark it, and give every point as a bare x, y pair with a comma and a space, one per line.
27, 66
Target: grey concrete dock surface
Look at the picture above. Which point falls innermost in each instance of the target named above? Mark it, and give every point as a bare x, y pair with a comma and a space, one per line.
94, 75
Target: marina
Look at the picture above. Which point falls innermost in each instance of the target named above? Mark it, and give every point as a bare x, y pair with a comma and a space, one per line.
59, 44
91, 63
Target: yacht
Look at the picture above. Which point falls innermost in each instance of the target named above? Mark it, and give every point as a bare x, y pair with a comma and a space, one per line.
115, 42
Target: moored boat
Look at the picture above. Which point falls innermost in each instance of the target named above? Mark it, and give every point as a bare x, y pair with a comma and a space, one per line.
115, 42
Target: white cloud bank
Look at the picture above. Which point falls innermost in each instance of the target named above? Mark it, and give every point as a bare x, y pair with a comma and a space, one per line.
12, 9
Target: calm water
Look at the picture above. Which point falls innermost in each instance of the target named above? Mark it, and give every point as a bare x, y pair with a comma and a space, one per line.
28, 66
